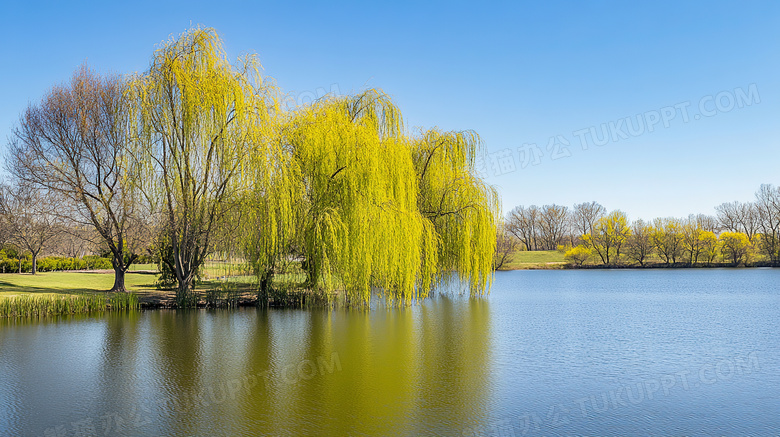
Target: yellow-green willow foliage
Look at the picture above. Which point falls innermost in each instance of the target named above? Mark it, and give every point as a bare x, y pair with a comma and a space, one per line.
460, 207
197, 117
368, 206
359, 225
271, 209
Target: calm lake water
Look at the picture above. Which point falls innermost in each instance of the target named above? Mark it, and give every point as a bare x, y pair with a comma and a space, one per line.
602, 352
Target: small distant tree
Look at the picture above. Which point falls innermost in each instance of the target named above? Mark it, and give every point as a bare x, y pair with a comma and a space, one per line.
709, 246
28, 215
75, 241
739, 217
707, 222
506, 245
553, 225
667, 239
638, 244
608, 237
735, 246
524, 224
691, 240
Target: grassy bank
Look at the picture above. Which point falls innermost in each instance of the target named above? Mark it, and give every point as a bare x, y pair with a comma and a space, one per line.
47, 304
537, 259
54, 293
60, 293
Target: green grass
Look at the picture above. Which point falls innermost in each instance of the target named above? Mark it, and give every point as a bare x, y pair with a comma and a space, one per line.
210, 269
68, 283
78, 283
44, 292
145, 267
537, 259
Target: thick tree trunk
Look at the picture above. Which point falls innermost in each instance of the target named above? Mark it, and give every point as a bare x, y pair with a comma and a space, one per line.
119, 279
120, 268
184, 295
34, 263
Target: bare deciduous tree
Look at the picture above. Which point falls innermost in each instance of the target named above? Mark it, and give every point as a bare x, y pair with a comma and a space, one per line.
638, 244
692, 241
585, 215
75, 241
74, 144
524, 224
554, 225
768, 208
739, 217
707, 222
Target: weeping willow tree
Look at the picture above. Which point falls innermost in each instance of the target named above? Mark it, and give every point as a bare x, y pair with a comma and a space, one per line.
340, 189
367, 206
197, 117
461, 208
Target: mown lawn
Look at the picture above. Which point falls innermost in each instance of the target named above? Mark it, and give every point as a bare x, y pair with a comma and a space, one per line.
12, 284
141, 284
536, 259
147, 267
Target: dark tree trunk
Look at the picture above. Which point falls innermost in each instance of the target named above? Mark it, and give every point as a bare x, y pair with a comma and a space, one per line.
265, 288
184, 295
120, 268
119, 279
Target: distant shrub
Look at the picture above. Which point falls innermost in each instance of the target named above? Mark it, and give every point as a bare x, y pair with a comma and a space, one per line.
577, 255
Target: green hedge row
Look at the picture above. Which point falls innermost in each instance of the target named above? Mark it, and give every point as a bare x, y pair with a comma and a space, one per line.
54, 263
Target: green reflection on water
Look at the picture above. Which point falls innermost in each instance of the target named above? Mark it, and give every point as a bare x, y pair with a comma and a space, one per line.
285, 372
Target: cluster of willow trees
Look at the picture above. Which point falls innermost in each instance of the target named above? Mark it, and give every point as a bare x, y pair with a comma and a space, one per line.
196, 155
740, 232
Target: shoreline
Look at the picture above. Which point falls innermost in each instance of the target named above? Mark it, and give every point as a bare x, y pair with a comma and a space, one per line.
146, 298
567, 266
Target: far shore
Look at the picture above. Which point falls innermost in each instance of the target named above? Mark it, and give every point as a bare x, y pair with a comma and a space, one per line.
553, 260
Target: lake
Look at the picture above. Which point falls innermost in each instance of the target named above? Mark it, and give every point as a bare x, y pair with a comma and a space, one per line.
570, 352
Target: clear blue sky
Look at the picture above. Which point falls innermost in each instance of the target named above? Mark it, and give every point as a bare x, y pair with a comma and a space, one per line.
518, 73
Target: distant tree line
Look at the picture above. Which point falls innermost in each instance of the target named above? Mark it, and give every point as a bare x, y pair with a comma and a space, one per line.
739, 233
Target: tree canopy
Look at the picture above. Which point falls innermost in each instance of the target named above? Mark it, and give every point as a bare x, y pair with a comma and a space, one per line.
368, 206
210, 158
